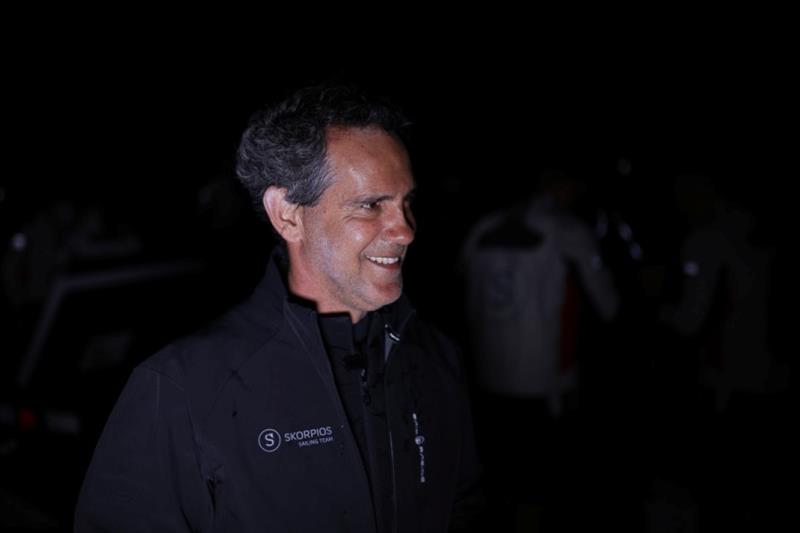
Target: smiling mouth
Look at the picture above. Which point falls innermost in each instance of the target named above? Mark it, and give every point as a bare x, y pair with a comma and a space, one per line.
392, 260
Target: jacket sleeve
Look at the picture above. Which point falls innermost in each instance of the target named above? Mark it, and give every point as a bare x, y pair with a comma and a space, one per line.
144, 475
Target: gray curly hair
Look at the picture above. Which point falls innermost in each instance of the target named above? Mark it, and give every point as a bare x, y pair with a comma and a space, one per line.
285, 145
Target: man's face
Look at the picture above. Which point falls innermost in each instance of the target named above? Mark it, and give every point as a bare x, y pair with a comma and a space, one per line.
355, 239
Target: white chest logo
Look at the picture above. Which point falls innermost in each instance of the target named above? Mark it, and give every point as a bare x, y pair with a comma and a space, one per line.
269, 440
310, 437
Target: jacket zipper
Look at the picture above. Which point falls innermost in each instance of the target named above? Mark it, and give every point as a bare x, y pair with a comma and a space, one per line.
329, 379
392, 338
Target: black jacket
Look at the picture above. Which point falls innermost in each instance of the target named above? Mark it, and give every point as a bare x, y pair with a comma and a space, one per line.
241, 428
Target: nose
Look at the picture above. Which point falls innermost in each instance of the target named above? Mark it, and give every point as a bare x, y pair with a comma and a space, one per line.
401, 226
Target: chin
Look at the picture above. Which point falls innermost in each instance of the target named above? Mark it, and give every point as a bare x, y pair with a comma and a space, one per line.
385, 298
391, 299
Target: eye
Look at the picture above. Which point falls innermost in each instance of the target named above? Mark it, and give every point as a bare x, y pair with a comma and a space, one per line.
369, 206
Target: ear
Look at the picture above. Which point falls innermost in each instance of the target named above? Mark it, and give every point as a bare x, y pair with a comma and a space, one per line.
284, 215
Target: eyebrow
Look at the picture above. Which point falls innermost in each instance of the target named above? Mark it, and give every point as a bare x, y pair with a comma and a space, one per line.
374, 199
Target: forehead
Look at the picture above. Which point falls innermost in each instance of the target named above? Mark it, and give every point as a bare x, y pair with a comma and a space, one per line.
368, 158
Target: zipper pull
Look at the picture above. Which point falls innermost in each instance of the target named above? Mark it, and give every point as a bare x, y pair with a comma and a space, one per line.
390, 339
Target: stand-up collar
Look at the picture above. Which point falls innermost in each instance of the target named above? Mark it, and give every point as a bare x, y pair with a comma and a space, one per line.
272, 293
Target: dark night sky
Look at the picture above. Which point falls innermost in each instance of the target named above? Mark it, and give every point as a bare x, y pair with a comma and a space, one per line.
131, 126
153, 110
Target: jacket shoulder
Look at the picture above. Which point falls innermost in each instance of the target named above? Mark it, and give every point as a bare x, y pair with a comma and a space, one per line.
202, 362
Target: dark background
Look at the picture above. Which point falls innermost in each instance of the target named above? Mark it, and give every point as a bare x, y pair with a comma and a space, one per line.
140, 133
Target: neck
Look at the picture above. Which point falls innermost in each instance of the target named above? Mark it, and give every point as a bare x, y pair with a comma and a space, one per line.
303, 284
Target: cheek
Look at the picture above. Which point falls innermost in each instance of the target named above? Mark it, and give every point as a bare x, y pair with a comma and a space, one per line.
357, 234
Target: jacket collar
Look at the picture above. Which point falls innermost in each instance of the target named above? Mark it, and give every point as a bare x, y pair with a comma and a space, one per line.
272, 293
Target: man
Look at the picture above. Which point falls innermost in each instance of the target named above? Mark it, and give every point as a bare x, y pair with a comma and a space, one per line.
321, 403
527, 271
523, 267
724, 298
721, 315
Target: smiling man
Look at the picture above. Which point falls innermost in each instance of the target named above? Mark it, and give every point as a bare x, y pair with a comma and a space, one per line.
321, 403
346, 251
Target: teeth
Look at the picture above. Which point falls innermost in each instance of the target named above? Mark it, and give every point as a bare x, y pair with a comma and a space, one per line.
383, 260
